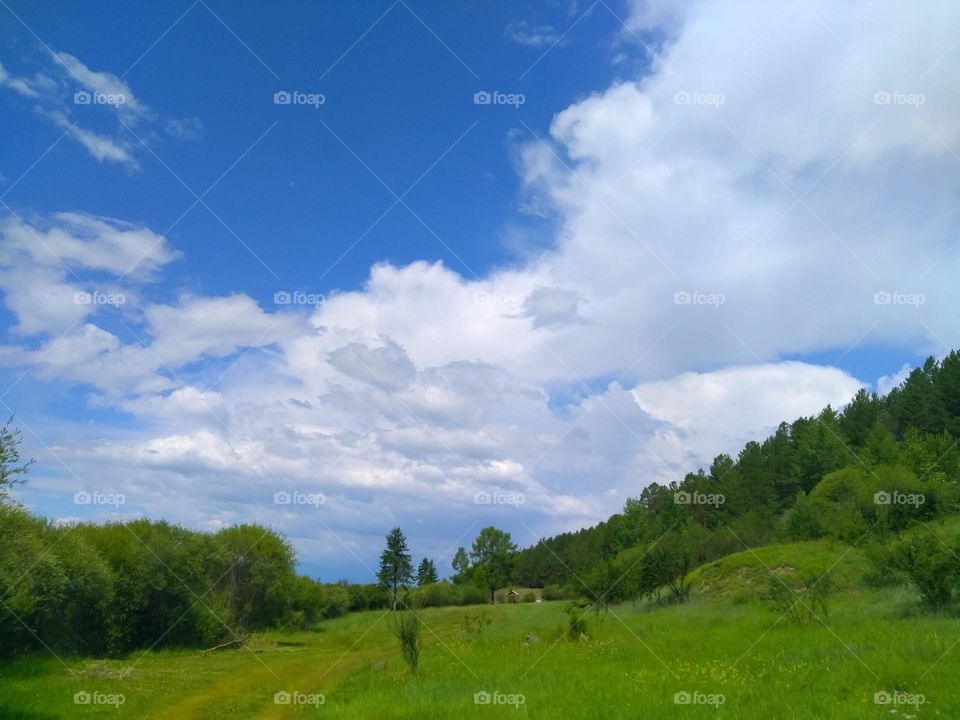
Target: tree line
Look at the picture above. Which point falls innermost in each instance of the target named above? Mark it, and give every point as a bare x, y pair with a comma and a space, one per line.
863, 474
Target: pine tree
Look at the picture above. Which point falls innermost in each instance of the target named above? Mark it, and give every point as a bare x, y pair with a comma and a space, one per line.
396, 565
426, 572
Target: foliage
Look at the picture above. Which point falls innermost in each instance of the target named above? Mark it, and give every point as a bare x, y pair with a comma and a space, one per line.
396, 567
406, 626
12, 467
427, 572
930, 565
492, 559
110, 589
799, 599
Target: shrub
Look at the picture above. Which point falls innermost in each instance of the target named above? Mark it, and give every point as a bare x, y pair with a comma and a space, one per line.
336, 601
576, 628
472, 595
799, 599
552, 592
802, 521
473, 625
930, 566
529, 597
406, 627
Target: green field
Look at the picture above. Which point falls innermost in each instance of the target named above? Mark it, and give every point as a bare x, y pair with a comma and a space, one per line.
733, 655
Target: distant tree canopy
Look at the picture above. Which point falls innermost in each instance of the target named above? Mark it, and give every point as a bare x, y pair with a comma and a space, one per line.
876, 466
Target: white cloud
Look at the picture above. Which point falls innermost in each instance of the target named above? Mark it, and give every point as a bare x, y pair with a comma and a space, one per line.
72, 96
721, 410
101, 148
214, 327
538, 36
107, 84
17, 84
190, 128
886, 383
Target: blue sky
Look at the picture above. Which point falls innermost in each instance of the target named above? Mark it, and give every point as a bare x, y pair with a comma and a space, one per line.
694, 225
400, 99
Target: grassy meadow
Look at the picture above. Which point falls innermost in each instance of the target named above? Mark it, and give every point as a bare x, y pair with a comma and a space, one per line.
725, 654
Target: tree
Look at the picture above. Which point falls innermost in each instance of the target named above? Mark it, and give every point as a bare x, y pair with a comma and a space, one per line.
427, 572
11, 467
396, 565
461, 565
492, 554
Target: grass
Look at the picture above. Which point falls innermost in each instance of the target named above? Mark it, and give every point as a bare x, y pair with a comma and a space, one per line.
636, 661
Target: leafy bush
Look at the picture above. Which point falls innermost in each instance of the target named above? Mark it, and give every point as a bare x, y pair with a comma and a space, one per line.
472, 595
928, 564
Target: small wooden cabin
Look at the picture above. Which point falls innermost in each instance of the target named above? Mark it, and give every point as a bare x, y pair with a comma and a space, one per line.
513, 596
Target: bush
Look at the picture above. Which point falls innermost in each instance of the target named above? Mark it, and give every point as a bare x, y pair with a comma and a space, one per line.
440, 594
472, 595
799, 599
110, 589
529, 597
406, 627
576, 628
553, 592
802, 521
930, 566
336, 601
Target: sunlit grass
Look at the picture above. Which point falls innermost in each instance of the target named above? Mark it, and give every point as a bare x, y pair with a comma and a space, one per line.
633, 664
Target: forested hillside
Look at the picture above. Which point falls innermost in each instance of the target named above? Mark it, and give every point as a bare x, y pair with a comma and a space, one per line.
858, 474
